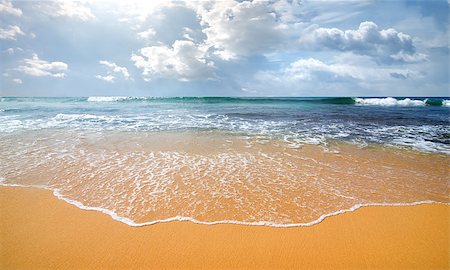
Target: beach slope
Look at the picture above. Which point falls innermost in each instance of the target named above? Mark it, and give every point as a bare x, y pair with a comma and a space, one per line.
38, 231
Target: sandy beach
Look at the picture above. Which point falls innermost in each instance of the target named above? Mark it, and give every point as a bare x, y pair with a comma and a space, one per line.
224, 134
38, 231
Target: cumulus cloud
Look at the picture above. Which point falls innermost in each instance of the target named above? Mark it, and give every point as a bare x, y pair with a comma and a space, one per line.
237, 29
184, 61
314, 70
343, 75
106, 78
309, 69
13, 50
288, 11
147, 34
136, 13
368, 39
18, 81
39, 68
7, 7
113, 68
11, 32
72, 9
188, 33
306, 70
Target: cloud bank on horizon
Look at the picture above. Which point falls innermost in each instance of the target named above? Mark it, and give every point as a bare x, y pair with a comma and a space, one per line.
224, 48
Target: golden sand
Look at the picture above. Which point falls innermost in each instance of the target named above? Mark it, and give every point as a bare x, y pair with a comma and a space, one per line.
38, 231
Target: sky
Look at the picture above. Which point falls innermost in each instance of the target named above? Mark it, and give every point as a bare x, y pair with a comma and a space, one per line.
224, 48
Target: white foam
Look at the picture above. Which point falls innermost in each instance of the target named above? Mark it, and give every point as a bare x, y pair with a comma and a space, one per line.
421, 144
3, 184
107, 98
111, 98
132, 223
389, 101
446, 102
258, 223
63, 116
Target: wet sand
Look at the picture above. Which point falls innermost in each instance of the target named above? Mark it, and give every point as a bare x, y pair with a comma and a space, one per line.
212, 176
38, 231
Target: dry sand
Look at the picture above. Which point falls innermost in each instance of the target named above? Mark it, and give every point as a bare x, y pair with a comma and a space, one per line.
38, 231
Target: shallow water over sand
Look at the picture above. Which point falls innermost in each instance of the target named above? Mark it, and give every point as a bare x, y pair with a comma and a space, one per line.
213, 176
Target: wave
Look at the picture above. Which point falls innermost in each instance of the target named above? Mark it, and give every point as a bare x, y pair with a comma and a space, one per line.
72, 117
132, 223
389, 101
378, 101
428, 137
112, 98
332, 100
189, 99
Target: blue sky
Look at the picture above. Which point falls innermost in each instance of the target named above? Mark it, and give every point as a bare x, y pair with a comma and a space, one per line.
224, 48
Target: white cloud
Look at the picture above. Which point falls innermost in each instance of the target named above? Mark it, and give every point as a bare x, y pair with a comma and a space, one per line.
107, 78
232, 29
312, 69
7, 7
13, 50
39, 68
344, 69
147, 34
72, 9
188, 33
18, 81
409, 58
113, 68
344, 73
136, 12
11, 32
184, 61
239, 29
308, 70
366, 40
288, 11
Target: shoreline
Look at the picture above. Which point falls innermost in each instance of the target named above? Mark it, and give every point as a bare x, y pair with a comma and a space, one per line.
270, 185
40, 231
131, 223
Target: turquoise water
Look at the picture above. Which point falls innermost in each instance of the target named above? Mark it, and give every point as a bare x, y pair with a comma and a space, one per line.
418, 123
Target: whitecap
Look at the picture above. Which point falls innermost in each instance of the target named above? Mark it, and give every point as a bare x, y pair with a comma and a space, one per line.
389, 101
107, 98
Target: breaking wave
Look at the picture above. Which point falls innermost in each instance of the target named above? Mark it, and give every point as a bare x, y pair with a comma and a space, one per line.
389, 101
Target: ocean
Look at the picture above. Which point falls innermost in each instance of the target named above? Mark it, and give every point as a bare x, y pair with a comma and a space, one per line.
260, 161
